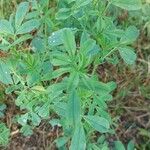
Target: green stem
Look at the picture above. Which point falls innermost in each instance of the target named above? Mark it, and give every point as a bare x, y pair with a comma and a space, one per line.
94, 70
114, 49
95, 66
106, 8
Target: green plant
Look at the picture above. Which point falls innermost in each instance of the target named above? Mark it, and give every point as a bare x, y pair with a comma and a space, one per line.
2, 110
58, 74
4, 134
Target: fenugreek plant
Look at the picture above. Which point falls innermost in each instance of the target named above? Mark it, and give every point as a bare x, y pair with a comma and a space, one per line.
53, 49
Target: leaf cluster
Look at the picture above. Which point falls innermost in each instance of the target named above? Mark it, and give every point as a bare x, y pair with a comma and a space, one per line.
57, 73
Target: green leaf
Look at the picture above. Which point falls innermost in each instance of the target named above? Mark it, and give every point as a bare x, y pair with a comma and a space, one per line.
144, 133
78, 141
55, 122
56, 38
87, 46
59, 72
44, 111
60, 108
21, 12
35, 119
87, 83
60, 59
119, 145
23, 119
5, 74
69, 42
104, 114
33, 77
84, 37
2, 107
112, 85
70, 1
13, 87
82, 3
100, 102
73, 80
94, 51
38, 45
128, 4
61, 141
128, 54
6, 27
98, 123
4, 134
20, 40
130, 145
96, 86
130, 35
32, 14
28, 26
26, 130
44, 3
74, 108
63, 14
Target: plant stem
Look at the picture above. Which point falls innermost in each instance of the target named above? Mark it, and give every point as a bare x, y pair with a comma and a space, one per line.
106, 8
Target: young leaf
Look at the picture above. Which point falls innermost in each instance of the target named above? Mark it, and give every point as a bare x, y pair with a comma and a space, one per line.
69, 42
128, 55
98, 123
28, 26
78, 141
128, 4
74, 108
22, 10
5, 74
6, 27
